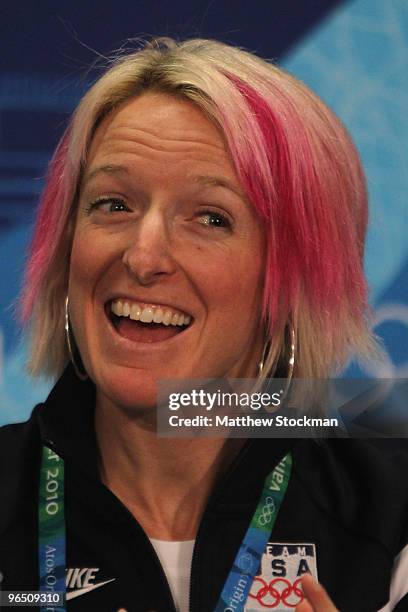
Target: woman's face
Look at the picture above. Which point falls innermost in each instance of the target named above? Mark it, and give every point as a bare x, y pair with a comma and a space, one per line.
163, 226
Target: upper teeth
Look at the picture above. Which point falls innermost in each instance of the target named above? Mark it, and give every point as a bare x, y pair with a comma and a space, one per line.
149, 314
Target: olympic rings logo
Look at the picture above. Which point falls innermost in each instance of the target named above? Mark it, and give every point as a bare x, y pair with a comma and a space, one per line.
269, 596
267, 511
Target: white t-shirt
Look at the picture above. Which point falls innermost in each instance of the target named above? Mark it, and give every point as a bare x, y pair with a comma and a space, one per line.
175, 558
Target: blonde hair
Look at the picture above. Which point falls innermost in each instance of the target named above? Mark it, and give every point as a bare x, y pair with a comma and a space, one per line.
298, 167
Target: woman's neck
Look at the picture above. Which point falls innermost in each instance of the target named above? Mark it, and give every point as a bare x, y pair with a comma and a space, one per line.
165, 483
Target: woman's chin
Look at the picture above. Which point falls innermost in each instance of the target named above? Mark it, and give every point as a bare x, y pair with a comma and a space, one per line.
133, 390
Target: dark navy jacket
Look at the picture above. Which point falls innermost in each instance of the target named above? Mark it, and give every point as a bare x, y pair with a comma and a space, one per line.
347, 501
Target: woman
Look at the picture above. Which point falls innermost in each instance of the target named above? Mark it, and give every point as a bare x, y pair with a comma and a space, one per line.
204, 217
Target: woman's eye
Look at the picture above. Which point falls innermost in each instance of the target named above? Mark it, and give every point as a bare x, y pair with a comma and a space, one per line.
109, 205
214, 219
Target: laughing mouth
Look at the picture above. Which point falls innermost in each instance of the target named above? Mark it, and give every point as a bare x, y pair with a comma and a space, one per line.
146, 322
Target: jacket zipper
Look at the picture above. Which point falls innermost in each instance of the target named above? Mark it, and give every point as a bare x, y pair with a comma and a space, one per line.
213, 497
142, 532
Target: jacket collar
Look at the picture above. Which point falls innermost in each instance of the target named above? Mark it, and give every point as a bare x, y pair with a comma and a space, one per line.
66, 423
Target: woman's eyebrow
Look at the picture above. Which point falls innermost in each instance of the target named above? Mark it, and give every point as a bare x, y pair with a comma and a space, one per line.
218, 181
105, 169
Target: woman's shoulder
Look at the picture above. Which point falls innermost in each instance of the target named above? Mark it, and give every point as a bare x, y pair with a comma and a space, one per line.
366, 463
19, 438
360, 483
20, 451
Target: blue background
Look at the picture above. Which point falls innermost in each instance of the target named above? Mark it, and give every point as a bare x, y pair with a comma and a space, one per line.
353, 54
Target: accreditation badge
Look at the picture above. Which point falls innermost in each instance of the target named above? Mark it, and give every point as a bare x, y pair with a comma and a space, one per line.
277, 586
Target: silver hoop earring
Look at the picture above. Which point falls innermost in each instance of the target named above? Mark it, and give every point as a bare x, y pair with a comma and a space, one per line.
81, 375
264, 352
291, 361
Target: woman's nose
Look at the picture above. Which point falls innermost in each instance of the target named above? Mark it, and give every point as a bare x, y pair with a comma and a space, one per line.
148, 254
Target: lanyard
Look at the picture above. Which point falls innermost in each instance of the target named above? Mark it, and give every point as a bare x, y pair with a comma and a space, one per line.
51, 523
246, 564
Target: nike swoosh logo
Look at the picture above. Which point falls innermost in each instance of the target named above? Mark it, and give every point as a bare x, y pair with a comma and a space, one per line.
91, 587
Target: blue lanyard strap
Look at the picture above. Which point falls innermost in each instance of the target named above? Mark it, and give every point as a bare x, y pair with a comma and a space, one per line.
247, 561
51, 524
